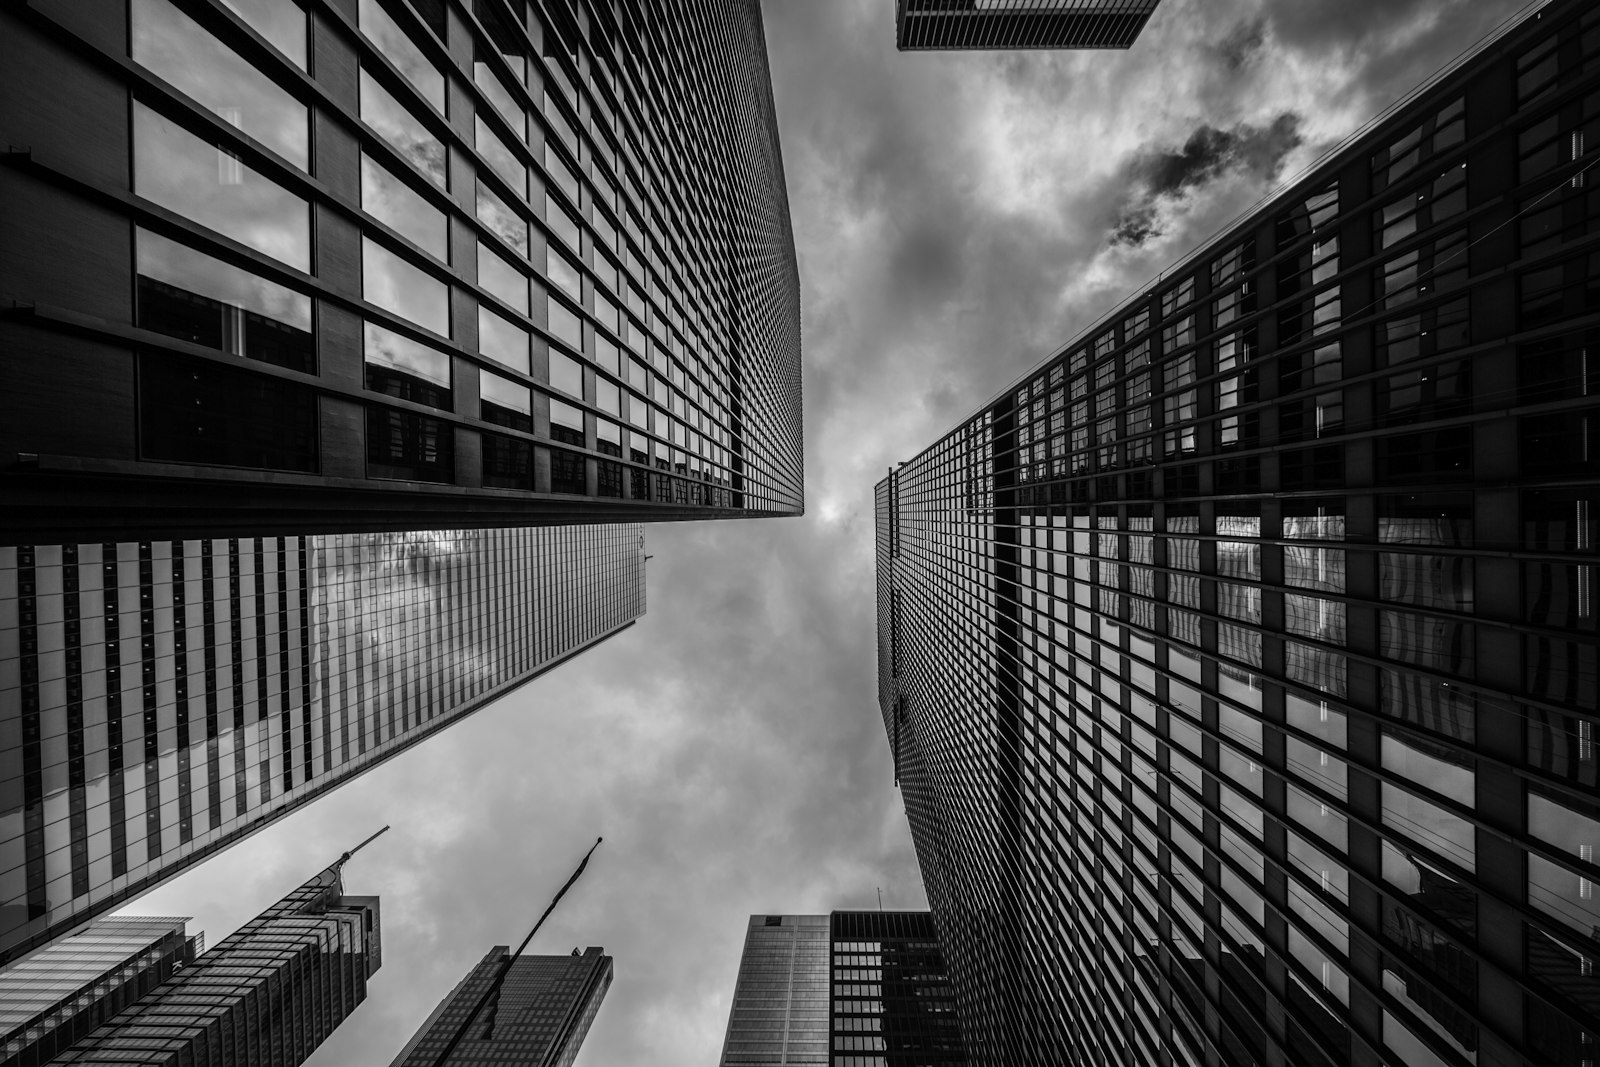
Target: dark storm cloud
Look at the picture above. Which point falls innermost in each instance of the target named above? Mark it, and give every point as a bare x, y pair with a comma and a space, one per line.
1241, 46
1161, 178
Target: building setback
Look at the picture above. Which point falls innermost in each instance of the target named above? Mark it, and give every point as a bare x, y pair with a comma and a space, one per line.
1239, 663
271, 992
1008, 24
538, 1016
360, 265
160, 700
60, 993
850, 989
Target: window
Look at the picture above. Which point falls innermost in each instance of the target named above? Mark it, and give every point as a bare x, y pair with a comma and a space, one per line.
501, 159
561, 223
505, 402
1434, 828
181, 51
566, 423
408, 446
507, 462
502, 340
566, 373
499, 277
1439, 131
398, 286
186, 174
501, 220
282, 24
562, 271
403, 130
408, 369
564, 324
398, 47
1440, 199
197, 298
394, 203
194, 411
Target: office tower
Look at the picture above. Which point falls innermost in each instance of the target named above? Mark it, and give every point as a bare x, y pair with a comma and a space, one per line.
60, 993
270, 992
992, 24
1239, 663
850, 989
538, 1015
283, 268
160, 700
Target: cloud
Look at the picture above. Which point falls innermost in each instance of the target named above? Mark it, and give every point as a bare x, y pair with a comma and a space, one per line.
1163, 180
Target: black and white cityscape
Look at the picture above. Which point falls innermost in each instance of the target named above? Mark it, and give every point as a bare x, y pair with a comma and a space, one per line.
1159, 629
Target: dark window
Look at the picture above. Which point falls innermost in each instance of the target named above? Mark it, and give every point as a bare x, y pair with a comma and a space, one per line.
640, 483
1429, 456
507, 462
1564, 290
193, 411
1566, 972
1560, 442
566, 472
1312, 468
610, 478
401, 444
1562, 746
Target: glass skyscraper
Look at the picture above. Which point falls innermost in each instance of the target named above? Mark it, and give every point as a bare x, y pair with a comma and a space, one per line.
992, 24
1239, 663
161, 700
269, 993
289, 268
538, 1016
850, 989
59, 994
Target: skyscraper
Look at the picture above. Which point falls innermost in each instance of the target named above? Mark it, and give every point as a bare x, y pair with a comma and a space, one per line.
994, 24
270, 992
851, 989
1239, 662
276, 268
538, 1016
60, 993
161, 700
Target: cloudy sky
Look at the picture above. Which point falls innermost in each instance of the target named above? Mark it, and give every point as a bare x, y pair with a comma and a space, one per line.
958, 217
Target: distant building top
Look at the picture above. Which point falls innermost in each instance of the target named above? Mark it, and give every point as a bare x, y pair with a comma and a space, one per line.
996, 24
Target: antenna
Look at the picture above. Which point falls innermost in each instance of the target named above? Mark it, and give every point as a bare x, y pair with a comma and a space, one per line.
880, 898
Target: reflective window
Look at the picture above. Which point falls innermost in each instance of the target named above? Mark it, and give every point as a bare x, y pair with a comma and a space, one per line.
607, 356
408, 369
187, 294
505, 402
281, 22
501, 159
562, 271
498, 276
566, 470
502, 340
501, 220
507, 462
402, 444
566, 373
608, 437
566, 423
194, 411
183, 173
382, 30
561, 223
607, 397
565, 325
396, 285
501, 99
1431, 766
184, 53
407, 211
404, 131
1444, 833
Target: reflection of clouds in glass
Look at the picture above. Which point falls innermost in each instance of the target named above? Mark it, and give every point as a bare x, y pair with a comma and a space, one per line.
493, 213
180, 50
282, 22
178, 170
393, 42
486, 80
1430, 826
402, 129
566, 373
502, 279
505, 392
385, 348
500, 158
410, 292
502, 340
183, 267
563, 414
402, 207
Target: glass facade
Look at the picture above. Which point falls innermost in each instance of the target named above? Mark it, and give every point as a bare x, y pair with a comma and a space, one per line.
59, 994
943, 24
269, 993
1239, 663
541, 1013
851, 989
585, 202
161, 699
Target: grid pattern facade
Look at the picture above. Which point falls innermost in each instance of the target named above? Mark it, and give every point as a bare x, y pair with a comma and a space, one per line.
968, 24
159, 700
1240, 664
893, 1005
539, 1017
266, 996
780, 1004
389, 264
55, 996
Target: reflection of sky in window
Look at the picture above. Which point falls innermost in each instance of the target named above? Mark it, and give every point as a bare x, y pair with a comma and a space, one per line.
184, 173
608, 431
393, 42
497, 275
390, 282
281, 22
183, 267
564, 414
500, 158
502, 340
407, 211
566, 373
561, 270
402, 129
511, 227
564, 324
495, 92
505, 392
385, 348
1430, 826
607, 397
181, 51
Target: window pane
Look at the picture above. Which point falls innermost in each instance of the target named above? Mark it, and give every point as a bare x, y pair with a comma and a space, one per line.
564, 324
561, 223
395, 285
183, 173
395, 124
566, 423
501, 220
502, 340
392, 201
1444, 833
499, 277
180, 50
505, 402
500, 158
392, 41
281, 22
408, 369
401, 444
190, 295
192, 411
1414, 762
566, 373
562, 271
